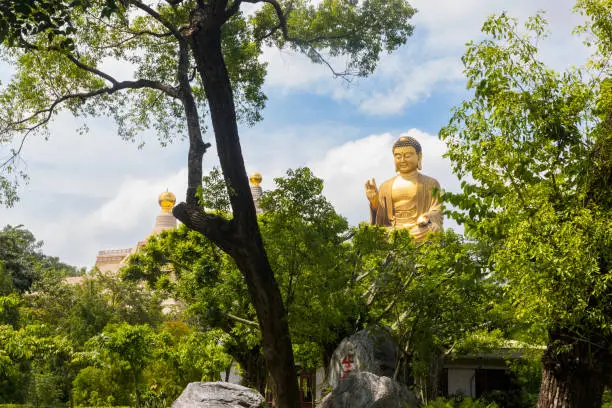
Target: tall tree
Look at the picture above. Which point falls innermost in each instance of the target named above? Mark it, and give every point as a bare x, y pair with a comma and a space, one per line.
18, 250
433, 295
306, 242
533, 150
130, 345
167, 42
24, 262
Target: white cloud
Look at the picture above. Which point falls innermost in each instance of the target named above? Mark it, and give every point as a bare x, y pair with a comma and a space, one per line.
448, 25
412, 83
93, 191
118, 222
272, 151
134, 203
75, 226
290, 71
345, 169
97, 192
430, 61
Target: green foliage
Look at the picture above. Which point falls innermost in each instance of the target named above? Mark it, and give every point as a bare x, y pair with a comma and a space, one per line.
44, 389
33, 362
527, 374
333, 280
527, 142
434, 295
130, 347
533, 150
185, 355
9, 184
9, 301
305, 241
9, 309
607, 399
23, 262
23, 18
463, 403
358, 30
214, 195
95, 386
104, 341
18, 253
145, 39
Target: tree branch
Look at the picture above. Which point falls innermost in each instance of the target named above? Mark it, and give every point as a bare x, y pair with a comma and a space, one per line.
158, 17
305, 46
241, 320
217, 229
93, 70
15, 153
139, 84
232, 9
277, 8
117, 85
197, 147
135, 34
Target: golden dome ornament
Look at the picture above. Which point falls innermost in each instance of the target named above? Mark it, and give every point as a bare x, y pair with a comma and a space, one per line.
166, 201
255, 179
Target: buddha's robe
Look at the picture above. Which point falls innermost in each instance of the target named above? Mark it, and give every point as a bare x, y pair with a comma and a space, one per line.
423, 202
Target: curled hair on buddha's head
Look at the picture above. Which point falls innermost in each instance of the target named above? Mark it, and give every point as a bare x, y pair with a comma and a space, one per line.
405, 141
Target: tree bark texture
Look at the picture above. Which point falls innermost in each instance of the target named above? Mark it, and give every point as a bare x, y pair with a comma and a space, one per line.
254, 370
574, 374
241, 238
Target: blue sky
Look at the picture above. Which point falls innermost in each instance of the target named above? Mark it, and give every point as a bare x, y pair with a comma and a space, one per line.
105, 196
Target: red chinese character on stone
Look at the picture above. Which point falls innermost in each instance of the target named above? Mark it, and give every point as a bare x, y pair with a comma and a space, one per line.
346, 366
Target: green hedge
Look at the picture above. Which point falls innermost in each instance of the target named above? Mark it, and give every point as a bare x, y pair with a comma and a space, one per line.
53, 406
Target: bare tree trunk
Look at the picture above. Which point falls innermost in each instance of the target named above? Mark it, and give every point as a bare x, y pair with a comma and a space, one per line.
240, 237
573, 374
254, 373
432, 379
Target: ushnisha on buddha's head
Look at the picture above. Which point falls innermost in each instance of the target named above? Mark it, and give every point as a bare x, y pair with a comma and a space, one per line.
407, 154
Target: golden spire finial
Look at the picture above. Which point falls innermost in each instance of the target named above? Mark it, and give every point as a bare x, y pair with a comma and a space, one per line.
255, 179
166, 201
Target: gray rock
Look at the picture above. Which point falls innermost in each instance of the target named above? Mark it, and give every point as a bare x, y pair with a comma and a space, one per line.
218, 395
372, 349
367, 390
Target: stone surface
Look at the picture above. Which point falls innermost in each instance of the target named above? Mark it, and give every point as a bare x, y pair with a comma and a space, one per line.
367, 390
218, 395
372, 349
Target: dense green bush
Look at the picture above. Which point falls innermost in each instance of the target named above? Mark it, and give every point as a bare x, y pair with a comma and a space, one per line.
95, 386
463, 403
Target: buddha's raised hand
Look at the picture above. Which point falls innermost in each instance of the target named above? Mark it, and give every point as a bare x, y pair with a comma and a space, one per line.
372, 192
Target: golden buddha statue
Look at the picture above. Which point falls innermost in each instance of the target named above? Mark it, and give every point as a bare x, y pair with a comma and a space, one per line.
408, 200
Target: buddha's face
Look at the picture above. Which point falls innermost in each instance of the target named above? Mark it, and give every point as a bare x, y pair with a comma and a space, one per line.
406, 158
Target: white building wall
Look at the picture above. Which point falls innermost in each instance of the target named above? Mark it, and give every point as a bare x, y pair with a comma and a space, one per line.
234, 377
462, 381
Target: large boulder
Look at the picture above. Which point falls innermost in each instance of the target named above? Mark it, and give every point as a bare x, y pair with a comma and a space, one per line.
372, 349
367, 390
218, 395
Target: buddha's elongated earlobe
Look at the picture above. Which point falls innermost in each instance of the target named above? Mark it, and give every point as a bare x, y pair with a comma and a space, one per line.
420, 162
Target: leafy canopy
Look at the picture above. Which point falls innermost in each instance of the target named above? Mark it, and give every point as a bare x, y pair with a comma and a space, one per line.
61, 52
530, 148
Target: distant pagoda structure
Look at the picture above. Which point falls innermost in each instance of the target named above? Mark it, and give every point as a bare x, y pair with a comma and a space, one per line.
256, 190
111, 260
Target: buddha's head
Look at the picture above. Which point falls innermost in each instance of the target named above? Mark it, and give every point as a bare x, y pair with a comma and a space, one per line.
407, 155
